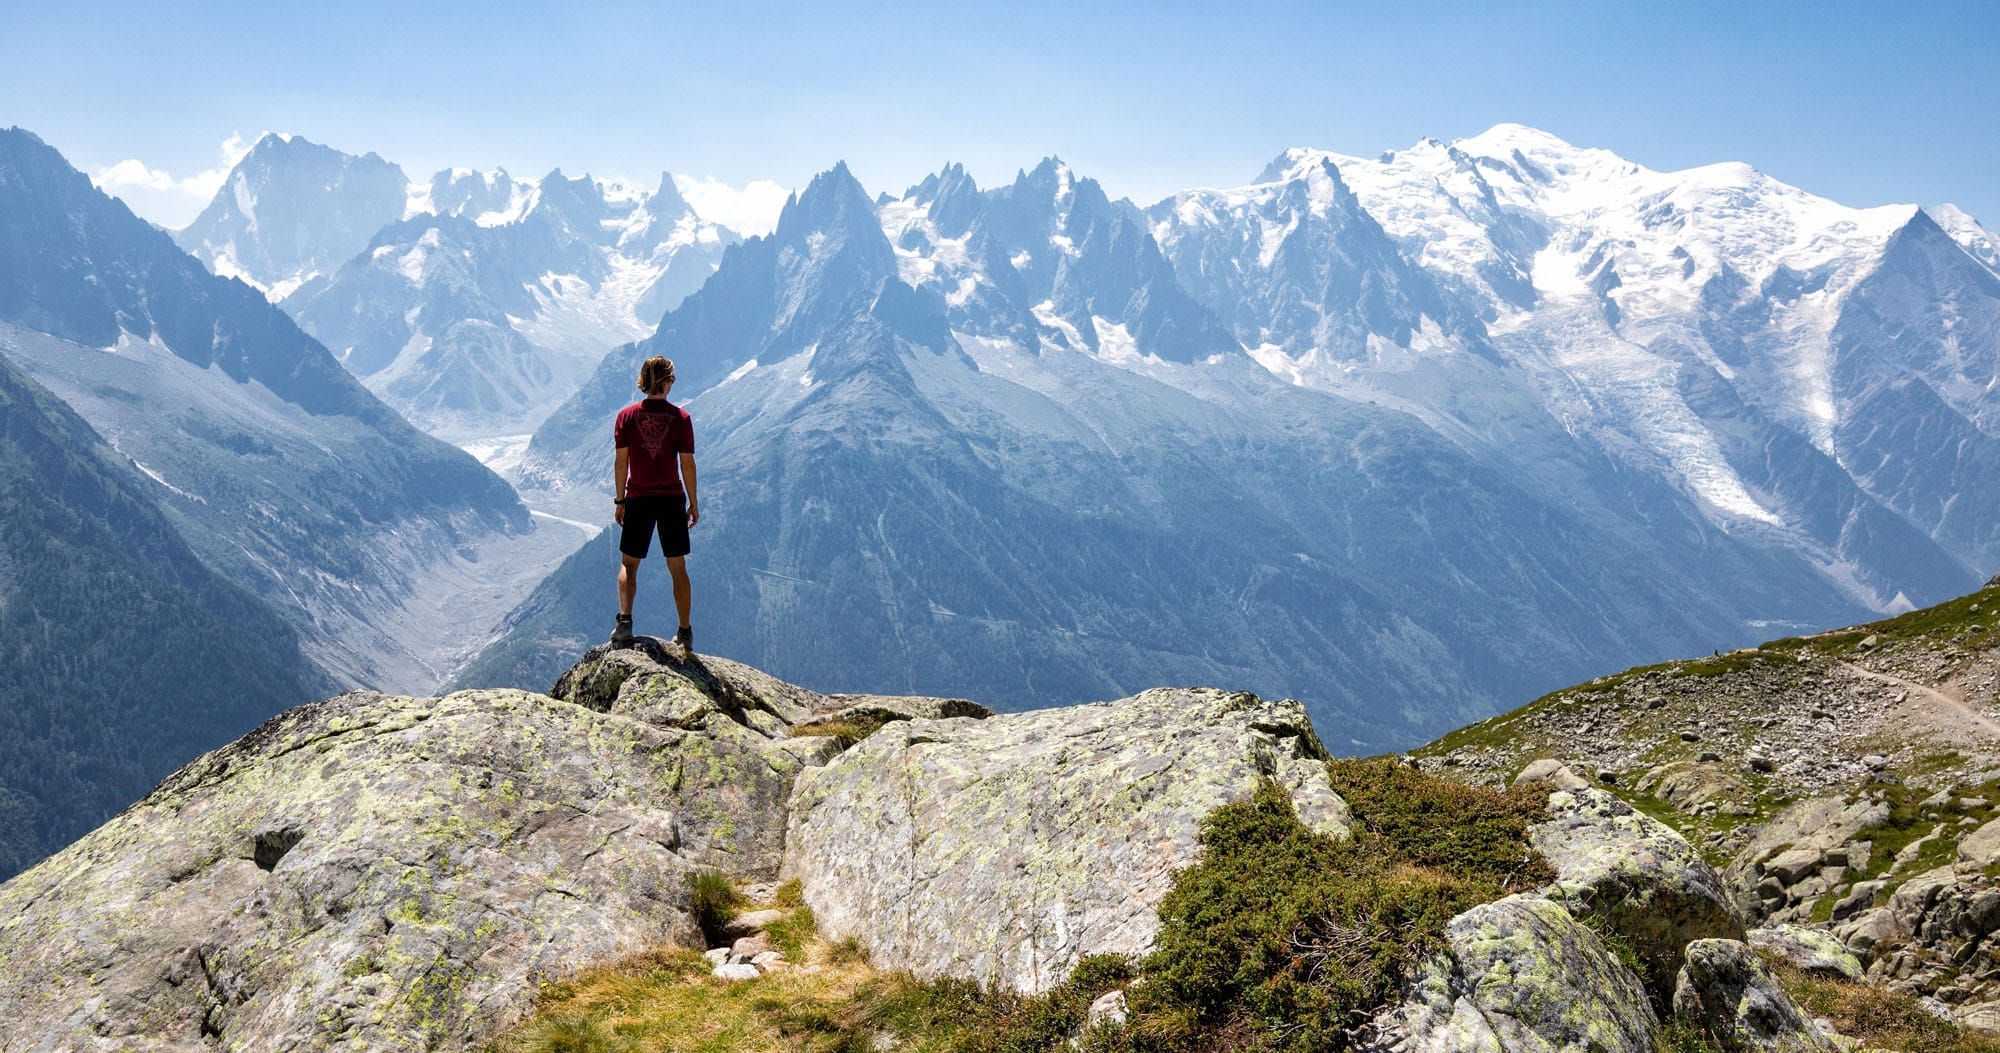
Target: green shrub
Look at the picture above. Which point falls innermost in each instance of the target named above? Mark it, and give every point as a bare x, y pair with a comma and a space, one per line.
1471, 831
1283, 938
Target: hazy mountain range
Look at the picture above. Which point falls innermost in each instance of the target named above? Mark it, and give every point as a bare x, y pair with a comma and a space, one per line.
1411, 437
1404, 437
471, 303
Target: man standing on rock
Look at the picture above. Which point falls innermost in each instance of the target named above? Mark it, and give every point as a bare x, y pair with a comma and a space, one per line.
655, 441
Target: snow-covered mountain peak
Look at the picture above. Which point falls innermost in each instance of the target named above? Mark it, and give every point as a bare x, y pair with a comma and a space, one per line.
489, 198
486, 305
1535, 154
1971, 235
292, 209
666, 199
832, 205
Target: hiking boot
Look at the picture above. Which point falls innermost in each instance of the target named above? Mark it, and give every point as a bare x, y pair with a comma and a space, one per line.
621, 634
684, 639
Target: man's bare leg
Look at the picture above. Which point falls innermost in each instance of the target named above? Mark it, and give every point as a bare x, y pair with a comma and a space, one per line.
683, 589
628, 584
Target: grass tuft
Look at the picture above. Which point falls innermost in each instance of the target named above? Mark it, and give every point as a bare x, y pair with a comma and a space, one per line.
714, 900
794, 933
1881, 1018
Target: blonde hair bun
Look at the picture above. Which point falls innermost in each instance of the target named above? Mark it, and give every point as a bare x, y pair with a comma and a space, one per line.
656, 373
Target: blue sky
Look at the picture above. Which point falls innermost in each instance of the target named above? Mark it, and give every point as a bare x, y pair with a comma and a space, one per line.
1865, 103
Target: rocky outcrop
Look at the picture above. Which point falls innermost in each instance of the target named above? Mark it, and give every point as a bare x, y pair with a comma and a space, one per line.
1847, 780
1521, 974
395, 870
1551, 773
1726, 994
1003, 850
1808, 950
1937, 935
1636, 874
399, 873
1804, 852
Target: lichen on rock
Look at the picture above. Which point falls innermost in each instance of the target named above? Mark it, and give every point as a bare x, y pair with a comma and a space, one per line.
1635, 873
1521, 975
1726, 994
1004, 850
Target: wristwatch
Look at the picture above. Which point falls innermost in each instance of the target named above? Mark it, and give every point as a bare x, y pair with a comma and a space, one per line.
617, 500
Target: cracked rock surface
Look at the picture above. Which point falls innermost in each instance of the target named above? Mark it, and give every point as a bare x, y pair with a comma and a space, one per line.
391, 873
1005, 849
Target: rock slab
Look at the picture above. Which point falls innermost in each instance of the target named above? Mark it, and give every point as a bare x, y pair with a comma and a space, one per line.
1005, 849
1637, 874
1521, 975
445, 855
1725, 993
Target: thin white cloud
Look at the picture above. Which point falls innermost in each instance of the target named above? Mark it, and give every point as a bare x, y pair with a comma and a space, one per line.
159, 195
748, 210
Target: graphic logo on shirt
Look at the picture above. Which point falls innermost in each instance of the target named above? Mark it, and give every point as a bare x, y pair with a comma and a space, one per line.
654, 428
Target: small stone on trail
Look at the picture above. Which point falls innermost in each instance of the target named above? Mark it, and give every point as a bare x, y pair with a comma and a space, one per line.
737, 971
752, 922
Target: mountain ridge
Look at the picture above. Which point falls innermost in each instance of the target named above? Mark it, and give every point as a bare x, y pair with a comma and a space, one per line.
280, 469
1087, 441
85, 558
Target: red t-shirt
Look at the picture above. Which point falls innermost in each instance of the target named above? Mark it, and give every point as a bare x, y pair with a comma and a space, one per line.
657, 432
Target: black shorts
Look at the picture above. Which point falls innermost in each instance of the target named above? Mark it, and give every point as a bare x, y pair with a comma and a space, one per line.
667, 513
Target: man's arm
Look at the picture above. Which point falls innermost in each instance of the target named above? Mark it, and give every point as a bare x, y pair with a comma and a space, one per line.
687, 480
618, 484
